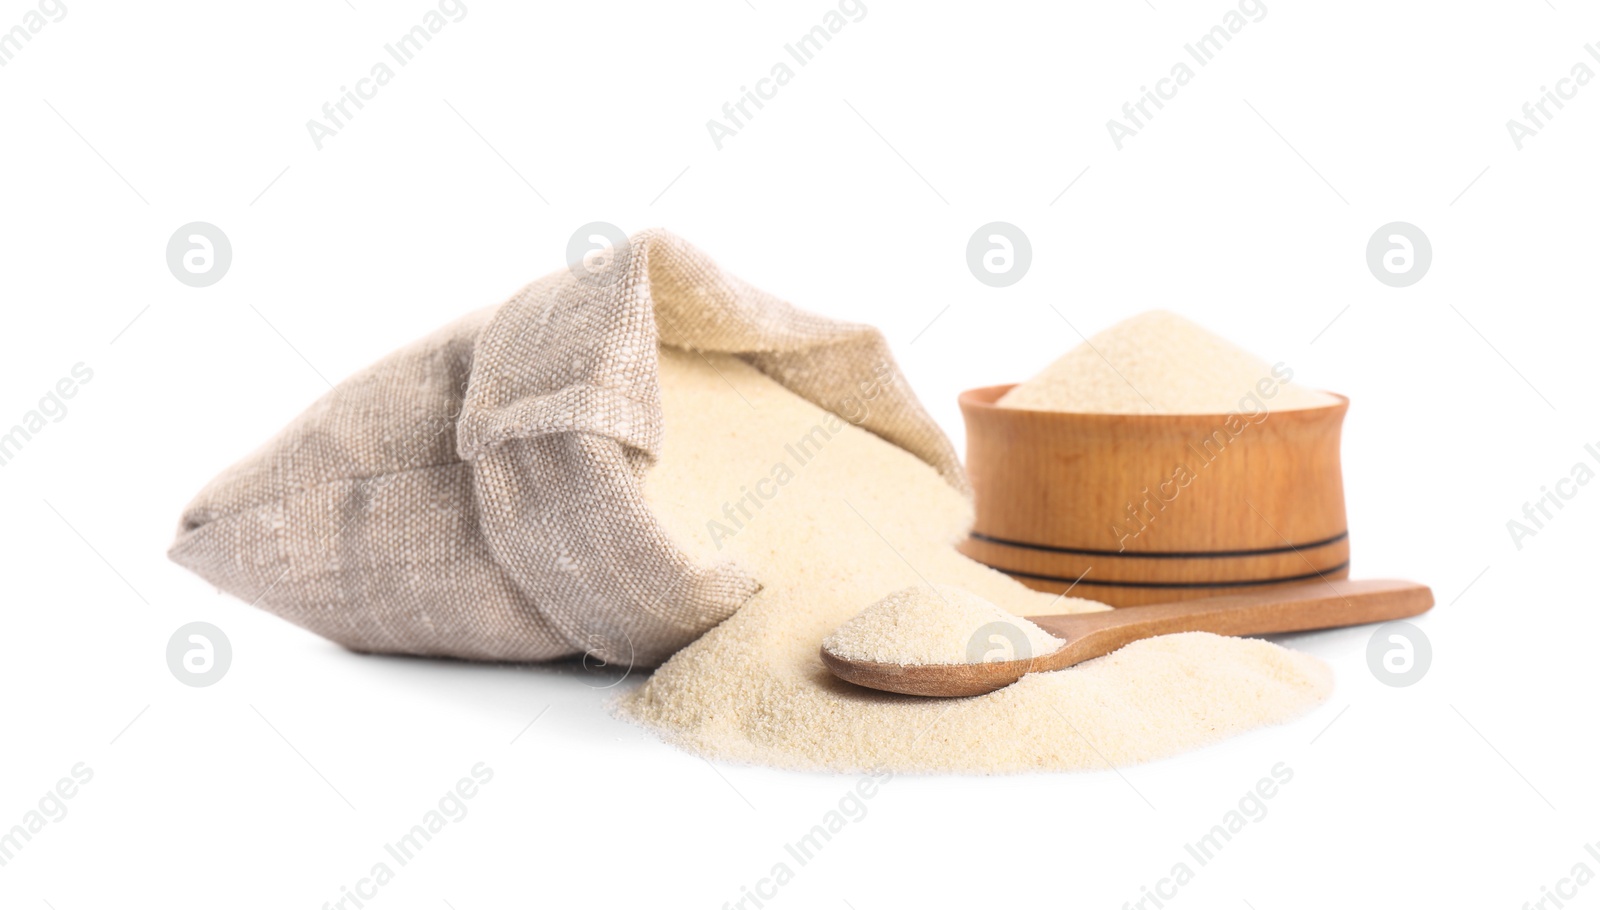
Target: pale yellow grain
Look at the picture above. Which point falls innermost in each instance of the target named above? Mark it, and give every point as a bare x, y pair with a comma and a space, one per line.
1161, 363
937, 624
863, 518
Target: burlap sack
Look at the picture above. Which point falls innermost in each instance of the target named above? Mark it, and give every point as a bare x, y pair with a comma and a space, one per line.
477, 494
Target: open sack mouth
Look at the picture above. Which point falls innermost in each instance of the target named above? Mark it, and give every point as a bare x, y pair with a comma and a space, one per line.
518, 530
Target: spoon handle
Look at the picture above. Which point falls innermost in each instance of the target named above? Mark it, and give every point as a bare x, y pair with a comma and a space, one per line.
1312, 605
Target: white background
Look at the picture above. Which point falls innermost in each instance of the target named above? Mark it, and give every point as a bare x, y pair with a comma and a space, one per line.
1472, 390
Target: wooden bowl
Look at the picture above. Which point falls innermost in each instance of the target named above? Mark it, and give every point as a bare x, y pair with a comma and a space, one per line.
1134, 509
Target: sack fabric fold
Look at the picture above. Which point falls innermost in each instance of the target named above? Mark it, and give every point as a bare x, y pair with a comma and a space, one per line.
477, 494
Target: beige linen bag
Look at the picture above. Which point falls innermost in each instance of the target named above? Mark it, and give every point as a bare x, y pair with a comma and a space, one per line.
477, 494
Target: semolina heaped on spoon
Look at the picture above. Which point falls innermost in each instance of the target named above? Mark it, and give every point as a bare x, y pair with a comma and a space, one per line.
942, 624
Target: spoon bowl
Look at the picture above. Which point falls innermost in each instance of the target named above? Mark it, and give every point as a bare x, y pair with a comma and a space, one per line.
1313, 605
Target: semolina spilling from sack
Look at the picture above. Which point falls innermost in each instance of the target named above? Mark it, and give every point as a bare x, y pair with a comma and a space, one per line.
849, 519
1160, 363
477, 494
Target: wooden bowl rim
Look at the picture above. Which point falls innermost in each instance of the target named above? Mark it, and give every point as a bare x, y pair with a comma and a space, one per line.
983, 399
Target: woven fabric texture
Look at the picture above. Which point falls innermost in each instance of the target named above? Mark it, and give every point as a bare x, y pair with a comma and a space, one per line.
477, 493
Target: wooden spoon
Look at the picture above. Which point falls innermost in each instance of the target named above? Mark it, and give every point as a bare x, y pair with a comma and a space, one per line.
1295, 608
